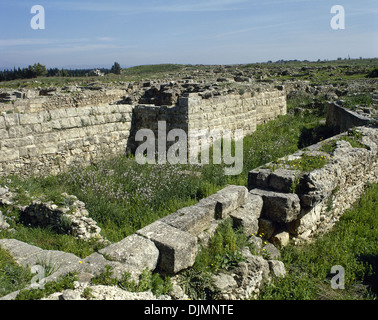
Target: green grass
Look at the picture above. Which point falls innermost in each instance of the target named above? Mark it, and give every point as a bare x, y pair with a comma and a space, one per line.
222, 253
364, 99
351, 244
12, 276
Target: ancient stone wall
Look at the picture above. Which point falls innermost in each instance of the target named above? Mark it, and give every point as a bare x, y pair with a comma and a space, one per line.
195, 114
342, 119
47, 142
49, 134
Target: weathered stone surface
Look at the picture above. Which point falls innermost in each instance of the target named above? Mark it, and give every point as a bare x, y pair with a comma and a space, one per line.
3, 224
194, 219
259, 178
229, 199
279, 207
256, 242
248, 214
280, 239
270, 250
224, 282
282, 180
177, 248
277, 268
135, 251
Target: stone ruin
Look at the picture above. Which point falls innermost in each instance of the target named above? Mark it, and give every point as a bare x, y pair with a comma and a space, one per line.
268, 210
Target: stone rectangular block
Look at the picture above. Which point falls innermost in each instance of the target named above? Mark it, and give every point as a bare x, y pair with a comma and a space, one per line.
258, 178
8, 154
279, 207
58, 114
194, 219
11, 119
284, 180
228, 200
247, 216
31, 118
178, 249
135, 251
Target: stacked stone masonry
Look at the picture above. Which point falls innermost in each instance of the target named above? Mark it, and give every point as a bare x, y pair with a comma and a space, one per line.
47, 137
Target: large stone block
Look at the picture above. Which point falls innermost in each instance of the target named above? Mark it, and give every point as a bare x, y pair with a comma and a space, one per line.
177, 248
228, 200
135, 251
247, 216
259, 178
279, 207
194, 219
284, 180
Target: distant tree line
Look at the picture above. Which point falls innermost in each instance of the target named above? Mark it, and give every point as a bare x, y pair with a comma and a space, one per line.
39, 70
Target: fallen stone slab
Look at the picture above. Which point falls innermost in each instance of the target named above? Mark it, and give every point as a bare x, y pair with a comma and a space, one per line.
279, 207
177, 248
194, 219
229, 199
135, 251
28, 255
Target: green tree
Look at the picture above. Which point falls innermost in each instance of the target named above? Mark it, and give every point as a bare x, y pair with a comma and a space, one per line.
38, 70
116, 68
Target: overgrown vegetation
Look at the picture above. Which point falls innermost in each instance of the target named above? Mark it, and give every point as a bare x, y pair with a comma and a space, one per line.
158, 284
12, 276
351, 244
222, 253
64, 282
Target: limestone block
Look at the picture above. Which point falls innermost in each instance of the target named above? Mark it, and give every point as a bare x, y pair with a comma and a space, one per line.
177, 248
48, 148
31, 118
135, 251
71, 112
248, 214
277, 268
281, 239
2, 122
8, 154
30, 151
242, 218
282, 180
56, 114
259, 178
228, 200
83, 111
3, 134
194, 219
279, 207
11, 120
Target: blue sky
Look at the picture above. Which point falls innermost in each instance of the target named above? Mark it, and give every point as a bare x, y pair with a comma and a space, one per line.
97, 33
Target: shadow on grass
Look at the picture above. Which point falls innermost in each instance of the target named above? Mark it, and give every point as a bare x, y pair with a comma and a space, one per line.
310, 136
371, 279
